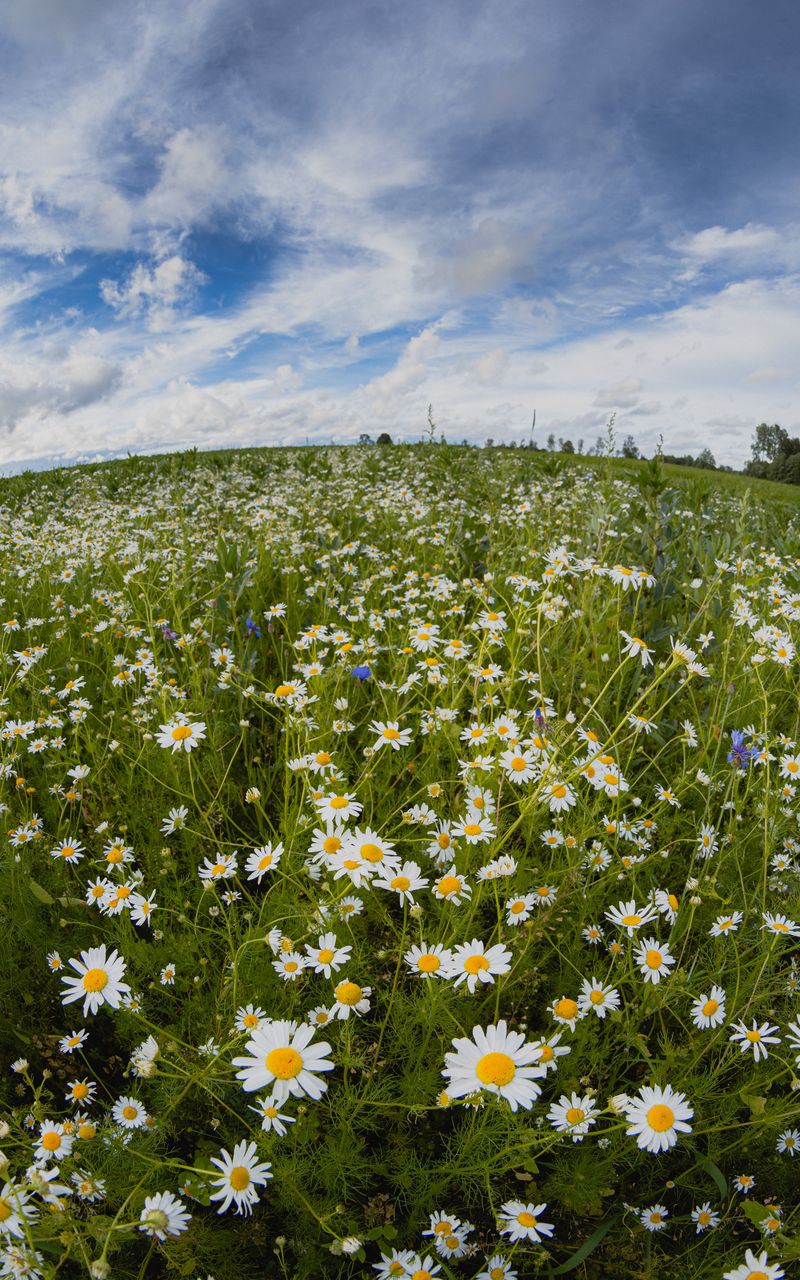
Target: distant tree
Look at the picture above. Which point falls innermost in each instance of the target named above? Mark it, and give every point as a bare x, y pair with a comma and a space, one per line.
365, 438
384, 438
551, 442
580, 445
567, 446
705, 458
431, 425
630, 449
769, 442
489, 442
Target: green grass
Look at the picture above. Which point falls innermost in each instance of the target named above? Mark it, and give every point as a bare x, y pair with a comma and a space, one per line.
143, 594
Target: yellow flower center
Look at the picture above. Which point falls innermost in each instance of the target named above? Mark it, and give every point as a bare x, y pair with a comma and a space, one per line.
753, 1036
575, 1115
95, 980
448, 885
51, 1141
654, 959
495, 1068
473, 964
559, 792
180, 732
429, 963
710, 1007
5, 1210
129, 1112
632, 919
596, 996
325, 955
371, 852
331, 844
80, 1090
283, 690
472, 829
401, 882
518, 764
239, 1177
443, 840
322, 757
86, 1131
348, 993
67, 850
391, 734
339, 802
264, 862
565, 1008
673, 901
660, 1117
284, 1064
517, 907
526, 1219
291, 966
250, 1020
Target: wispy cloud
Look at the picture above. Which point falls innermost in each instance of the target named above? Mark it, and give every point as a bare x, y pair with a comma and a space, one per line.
247, 221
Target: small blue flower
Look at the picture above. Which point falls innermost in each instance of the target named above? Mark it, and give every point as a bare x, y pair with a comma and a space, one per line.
361, 673
252, 628
739, 754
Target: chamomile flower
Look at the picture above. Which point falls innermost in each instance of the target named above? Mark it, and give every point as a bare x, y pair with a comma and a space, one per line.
349, 997
327, 956
518, 910
521, 1221
709, 1010
54, 1142
597, 998
654, 960
164, 1215
497, 1060
629, 917
428, 961
755, 1267
272, 1120
472, 962
283, 1058
654, 1218
129, 1113
179, 734
573, 1115
727, 924
788, 1142
451, 887
755, 1038
263, 860
240, 1175
567, 1011
657, 1116
404, 881
99, 980
390, 734
704, 1217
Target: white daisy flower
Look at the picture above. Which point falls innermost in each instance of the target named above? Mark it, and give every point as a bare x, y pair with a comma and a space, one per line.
497, 1060
657, 1116
99, 980
240, 1175
283, 1058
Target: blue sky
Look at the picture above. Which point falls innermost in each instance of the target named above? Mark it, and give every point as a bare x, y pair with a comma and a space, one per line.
241, 221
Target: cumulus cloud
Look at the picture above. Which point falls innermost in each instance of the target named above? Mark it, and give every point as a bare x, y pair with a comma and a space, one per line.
157, 290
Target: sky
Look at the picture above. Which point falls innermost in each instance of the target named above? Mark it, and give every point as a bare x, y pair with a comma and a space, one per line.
236, 222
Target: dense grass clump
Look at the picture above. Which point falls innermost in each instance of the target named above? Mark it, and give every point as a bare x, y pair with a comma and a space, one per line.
400, 871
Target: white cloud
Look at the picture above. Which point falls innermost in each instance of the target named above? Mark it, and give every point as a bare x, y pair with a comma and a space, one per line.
158, 290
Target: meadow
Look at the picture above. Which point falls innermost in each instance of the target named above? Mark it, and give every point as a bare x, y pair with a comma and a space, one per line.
400, 869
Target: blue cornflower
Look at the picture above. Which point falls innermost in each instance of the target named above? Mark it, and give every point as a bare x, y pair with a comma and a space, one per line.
252, 628
361, 673
739, 754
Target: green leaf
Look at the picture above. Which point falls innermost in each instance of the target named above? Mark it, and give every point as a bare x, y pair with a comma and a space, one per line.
40, 893
716, 1173
756, 1212
756, 1102
586, 1248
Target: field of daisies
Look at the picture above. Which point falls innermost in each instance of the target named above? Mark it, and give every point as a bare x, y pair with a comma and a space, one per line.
400, 869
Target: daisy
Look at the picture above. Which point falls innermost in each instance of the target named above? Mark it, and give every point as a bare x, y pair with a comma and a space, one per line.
756, 1037
54, 1142
224, 867
789, 1142
475, 829
472, 963
452, 887
70, 851
130, 1113
573, 1114
497, 1268
630, 917
560, 797
349, 998
656, 1117
780, 925
327, 956
81, 1093
180, 734
167, 976
99, 980
549, 1051
521, 1221
338, 807
518, 766
743, 1182
390, 734
15, 1211
404, 882
755, 1268
597, 998
567, 1011
654, 960
495, 1059
709, 1010
654, 1218
704, 1217
422, 1268
283, 1059
724, 925
73, 1041
519, 909
636, 648
240, 1175
271, 1117
262, 860
163, 1215
290, 966
428, 962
